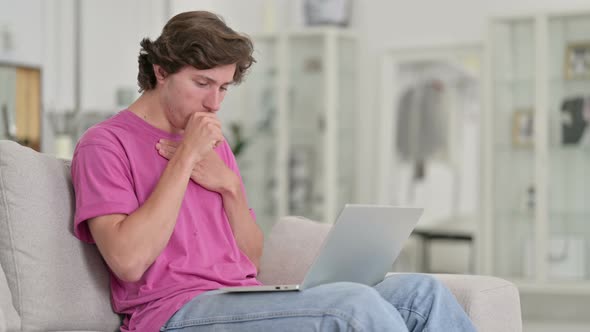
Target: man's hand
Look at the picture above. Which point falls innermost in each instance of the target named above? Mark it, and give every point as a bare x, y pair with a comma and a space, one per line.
201, 135
210, 172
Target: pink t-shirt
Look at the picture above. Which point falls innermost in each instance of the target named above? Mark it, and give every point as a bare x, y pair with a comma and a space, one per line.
114, 170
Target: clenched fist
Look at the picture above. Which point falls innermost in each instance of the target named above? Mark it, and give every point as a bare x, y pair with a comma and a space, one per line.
202, 134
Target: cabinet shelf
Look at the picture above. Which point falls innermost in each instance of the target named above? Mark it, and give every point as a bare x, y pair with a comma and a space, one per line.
555, 150
531, 79
576, 80
580, 288
567, 218
507, 148
514, 217
570, 149
513, 80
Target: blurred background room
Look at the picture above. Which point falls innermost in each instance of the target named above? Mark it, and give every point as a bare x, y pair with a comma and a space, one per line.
478, 111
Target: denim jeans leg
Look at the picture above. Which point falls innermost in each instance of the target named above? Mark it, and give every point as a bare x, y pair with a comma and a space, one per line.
424, 303
332, 307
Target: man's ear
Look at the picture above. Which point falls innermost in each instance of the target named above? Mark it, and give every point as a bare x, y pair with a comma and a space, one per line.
160, 73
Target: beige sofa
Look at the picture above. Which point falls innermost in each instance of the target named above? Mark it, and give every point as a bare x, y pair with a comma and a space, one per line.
50, 281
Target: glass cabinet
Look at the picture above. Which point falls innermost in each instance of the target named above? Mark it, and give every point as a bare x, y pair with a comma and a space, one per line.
536, 156
298, 110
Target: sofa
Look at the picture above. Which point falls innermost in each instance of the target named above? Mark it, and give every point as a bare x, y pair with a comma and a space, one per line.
50, 281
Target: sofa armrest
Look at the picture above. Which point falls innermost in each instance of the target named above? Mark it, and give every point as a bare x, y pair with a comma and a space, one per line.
493, 304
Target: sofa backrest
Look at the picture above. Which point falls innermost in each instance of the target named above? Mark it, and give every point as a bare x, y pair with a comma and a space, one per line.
290, 249
56, 281
9, 319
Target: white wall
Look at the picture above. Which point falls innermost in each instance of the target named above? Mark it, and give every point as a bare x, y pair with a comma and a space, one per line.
57, 39
244, 16
23, 20
111, 32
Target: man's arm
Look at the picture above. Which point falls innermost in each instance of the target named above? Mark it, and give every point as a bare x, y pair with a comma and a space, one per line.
130, 244
248, 235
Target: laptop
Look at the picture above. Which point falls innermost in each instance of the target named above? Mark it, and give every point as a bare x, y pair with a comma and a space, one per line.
361, 247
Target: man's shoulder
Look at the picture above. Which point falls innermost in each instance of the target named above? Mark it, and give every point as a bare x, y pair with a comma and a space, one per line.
99, 135
109, 134
99, 143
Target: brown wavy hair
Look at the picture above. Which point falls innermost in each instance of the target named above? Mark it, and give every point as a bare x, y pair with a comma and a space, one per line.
198, 38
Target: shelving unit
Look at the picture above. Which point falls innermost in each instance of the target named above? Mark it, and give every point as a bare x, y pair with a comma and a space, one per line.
299, 109
536, 216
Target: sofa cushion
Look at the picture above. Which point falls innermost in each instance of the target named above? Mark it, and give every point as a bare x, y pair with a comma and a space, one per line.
289, 250
9, 320
57, 282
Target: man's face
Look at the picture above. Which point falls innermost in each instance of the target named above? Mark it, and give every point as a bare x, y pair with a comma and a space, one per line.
192, 90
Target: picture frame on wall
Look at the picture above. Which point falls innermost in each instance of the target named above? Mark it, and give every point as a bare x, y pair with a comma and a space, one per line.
577, 60
523, 128
327, 12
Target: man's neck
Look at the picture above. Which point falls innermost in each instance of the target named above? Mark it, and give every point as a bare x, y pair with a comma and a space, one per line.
149, 109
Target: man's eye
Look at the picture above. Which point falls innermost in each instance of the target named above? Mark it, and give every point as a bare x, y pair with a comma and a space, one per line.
224, 88
201, 84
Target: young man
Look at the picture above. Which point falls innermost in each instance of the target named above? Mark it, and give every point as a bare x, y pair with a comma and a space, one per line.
159, 192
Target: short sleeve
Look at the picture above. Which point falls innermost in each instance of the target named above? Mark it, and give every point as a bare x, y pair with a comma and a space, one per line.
103, 185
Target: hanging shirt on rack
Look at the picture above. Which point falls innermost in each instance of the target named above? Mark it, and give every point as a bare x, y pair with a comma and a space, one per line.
422, 124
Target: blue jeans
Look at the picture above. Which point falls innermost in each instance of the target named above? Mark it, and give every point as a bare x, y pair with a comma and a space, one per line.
402, 302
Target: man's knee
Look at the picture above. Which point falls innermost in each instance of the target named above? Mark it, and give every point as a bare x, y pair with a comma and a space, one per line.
401, 288
426, 281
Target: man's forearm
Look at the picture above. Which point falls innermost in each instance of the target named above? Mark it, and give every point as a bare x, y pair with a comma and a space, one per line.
151, 226
248, 235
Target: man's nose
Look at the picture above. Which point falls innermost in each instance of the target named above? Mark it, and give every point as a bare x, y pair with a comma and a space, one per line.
213, 100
